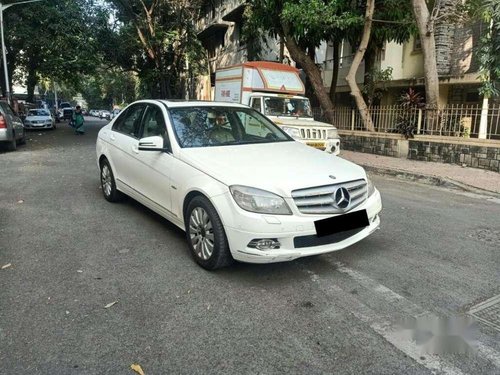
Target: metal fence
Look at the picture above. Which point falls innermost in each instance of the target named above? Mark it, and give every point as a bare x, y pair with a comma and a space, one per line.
452, 120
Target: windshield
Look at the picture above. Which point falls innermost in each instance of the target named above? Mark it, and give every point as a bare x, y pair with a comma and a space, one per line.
38, 112
291, 107
220, 126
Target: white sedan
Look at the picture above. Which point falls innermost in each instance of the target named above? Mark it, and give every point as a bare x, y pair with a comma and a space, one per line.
39, 119
239, 186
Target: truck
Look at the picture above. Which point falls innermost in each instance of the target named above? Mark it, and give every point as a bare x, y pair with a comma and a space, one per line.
276, 91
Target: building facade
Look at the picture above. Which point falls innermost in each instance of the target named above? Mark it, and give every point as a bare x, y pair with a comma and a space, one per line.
220, 30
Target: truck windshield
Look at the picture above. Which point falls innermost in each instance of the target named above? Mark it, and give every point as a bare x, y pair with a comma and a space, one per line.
291, 107
222, 126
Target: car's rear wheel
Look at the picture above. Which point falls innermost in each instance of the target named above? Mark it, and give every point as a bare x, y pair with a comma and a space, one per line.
205, 235
22, 141
12, 145
108, 184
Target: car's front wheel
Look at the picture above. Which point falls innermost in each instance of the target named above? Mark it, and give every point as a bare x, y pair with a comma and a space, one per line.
205, 234
108, 184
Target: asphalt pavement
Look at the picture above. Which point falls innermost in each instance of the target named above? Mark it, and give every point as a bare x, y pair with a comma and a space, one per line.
90, 287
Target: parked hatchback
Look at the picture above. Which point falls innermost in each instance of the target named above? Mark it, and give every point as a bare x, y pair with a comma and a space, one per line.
12, 130
238, 185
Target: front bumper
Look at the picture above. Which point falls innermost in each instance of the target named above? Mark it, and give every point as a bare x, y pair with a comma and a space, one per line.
38, 126
242, 227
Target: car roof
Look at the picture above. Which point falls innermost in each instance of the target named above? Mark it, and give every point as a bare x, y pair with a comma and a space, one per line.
174, 103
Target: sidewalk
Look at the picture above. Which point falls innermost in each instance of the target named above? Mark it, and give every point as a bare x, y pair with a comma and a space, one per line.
471, 179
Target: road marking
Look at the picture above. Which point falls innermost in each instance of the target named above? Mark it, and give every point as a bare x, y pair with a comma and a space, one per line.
408, 307
385, 328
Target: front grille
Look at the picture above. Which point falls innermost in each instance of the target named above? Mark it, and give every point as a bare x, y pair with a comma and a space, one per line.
320, 199
313, 133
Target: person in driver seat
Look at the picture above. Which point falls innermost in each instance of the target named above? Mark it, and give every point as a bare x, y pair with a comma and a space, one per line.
218, 133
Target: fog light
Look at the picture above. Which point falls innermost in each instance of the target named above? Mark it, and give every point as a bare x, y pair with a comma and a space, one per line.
264, 244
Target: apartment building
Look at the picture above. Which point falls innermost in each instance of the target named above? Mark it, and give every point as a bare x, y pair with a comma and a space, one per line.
220, 30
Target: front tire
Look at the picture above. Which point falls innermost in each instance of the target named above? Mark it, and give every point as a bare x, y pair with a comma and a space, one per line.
206, 236
108, 185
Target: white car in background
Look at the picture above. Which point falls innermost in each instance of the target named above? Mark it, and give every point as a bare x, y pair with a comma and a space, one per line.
238, 185
39, 119
105, 114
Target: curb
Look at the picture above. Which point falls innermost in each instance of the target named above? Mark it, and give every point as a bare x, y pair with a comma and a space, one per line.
429, 180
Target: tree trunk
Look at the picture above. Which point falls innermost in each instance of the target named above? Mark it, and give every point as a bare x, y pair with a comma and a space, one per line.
31, 82
425, 26
335, 71
358, 57
369, 82
314, 75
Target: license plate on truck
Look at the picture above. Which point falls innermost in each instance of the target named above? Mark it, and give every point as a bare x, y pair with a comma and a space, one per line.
316, 144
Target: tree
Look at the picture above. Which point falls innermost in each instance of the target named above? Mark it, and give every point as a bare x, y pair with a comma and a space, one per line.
358, 57
488, 11
164, 31
303, 25
426, 21
52, 39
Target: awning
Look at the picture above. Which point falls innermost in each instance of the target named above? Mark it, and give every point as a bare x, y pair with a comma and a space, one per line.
235, 15
212, 29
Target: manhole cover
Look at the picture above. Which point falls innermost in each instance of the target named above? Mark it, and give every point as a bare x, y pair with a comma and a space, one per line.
488, 312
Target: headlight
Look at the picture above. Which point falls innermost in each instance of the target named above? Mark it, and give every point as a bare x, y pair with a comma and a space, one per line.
332, 134
292, 132
370, 186
260, 201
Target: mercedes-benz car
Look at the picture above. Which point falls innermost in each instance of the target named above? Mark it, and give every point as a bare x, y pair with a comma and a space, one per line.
239, 186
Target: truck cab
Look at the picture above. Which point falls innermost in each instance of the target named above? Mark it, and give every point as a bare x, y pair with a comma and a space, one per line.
294, 115
276, 91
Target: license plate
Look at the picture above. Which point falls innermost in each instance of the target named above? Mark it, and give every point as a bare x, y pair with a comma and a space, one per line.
341, 223
316, 144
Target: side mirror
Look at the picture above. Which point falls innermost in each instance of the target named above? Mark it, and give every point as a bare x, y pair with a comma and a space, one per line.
154, 143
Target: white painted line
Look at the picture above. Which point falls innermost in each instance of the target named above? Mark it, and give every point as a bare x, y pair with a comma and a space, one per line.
384, 328
410, 308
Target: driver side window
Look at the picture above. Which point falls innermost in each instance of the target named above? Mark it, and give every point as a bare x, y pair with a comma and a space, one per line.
129, 122
256, 102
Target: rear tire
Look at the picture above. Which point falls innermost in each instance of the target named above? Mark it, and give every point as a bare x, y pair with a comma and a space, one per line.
108, 185
206, 236
12, 145
22, 141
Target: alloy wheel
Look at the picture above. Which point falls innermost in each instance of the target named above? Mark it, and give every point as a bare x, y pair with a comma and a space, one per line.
201, 233
106, 180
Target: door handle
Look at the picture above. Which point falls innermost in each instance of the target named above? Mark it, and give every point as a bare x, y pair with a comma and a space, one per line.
112, 137
135, 149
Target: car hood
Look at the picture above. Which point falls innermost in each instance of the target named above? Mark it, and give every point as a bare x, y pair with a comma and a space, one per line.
276, 167
300, 122
38, 118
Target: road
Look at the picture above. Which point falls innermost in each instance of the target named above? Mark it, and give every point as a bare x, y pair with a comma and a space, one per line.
72, 253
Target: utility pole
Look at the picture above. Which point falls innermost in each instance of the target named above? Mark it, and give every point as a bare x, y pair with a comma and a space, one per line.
4, 51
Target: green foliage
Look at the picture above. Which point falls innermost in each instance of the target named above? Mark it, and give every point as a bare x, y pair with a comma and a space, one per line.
162, 42
109, 88
53, 39
376, 84
487, 12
